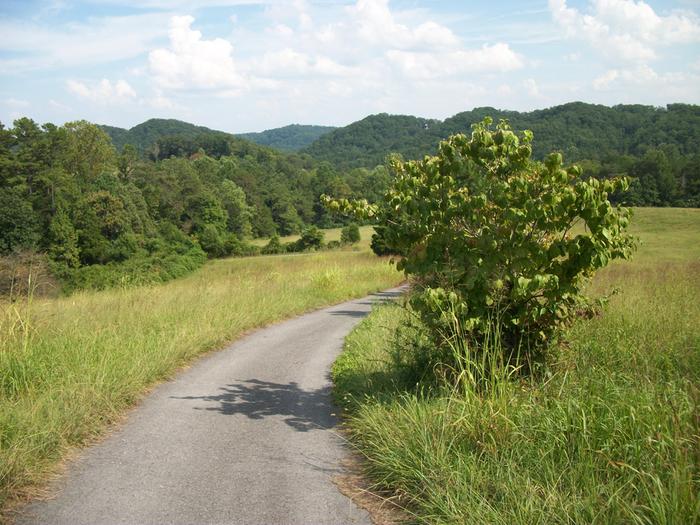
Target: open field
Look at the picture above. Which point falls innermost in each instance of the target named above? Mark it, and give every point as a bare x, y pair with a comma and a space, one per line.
612, 435
331, 234
71, 366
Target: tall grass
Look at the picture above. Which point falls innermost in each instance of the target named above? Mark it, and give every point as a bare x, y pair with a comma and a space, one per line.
70, 366
610, 435
329, 234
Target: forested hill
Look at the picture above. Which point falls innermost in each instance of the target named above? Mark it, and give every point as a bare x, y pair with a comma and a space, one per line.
288, 138
581, 131
145, 135
103, 217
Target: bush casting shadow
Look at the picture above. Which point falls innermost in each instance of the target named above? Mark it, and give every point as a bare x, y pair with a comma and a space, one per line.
301, 409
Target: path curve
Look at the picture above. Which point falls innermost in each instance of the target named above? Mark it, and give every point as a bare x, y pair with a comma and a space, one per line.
244, 436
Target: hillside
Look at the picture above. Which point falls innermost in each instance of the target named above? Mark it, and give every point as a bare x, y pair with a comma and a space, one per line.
367, 142
146, 134
288, 138
579, 130
143, 136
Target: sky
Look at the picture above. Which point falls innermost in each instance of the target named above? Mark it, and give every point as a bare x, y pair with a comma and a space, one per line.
246, 65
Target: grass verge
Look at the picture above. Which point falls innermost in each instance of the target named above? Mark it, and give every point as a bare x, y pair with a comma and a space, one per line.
70, 366
611, 436
329, 234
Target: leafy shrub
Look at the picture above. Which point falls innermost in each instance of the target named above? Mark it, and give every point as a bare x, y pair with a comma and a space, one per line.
274, 246
211, 241
350, 234
137, 271
239, 247
311, 239
489, 237
63, 248
378, 243
19, 224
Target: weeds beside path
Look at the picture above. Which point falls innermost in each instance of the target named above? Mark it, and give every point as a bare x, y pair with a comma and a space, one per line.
70, 366
611, 435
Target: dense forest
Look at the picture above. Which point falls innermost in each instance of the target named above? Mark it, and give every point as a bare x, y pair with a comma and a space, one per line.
111, 206
288, 138
658, 147
104, 216
146, 135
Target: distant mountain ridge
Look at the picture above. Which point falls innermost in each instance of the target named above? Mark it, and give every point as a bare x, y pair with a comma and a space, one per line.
579, 130
146, 134
288, 138
143, 136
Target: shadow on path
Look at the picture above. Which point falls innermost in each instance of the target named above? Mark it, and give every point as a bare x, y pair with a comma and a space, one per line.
384, 297
301, 409
358, 314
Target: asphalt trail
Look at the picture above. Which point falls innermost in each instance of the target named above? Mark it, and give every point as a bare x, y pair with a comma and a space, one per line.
244, 436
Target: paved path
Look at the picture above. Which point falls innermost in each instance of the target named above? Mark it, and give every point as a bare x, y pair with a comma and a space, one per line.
243, 436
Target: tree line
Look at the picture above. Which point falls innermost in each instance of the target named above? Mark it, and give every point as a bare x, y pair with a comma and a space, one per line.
658, 148
105, 217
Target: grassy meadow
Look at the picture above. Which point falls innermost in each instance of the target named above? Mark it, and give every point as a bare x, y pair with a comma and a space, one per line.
330, 234
610, 435
70, 366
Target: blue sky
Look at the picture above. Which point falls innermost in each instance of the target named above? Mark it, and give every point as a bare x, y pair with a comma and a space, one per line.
253, 65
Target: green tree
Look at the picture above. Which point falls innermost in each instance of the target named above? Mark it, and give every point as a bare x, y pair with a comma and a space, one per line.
101, 221
233, 199
19, 224
350, 234
211, 241
89, 150
488, 235
274, 246
63, 247
311, 239
126, 162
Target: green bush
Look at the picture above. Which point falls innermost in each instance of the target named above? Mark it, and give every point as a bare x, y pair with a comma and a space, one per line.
490, 238
211, 241
311, 239
19, 224
239, 247
350, 234
378, 243
274, 246
137, 271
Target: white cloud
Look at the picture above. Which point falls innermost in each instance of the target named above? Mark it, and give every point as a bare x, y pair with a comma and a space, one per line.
372, 42
378, 26
496, 58
371, 47
642, 78
103, 92
531, 87
504, 90
603, 82
626, 30
159, 101
193, 62
16, 103
289, 62
59, 106
281, 30
97, 41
